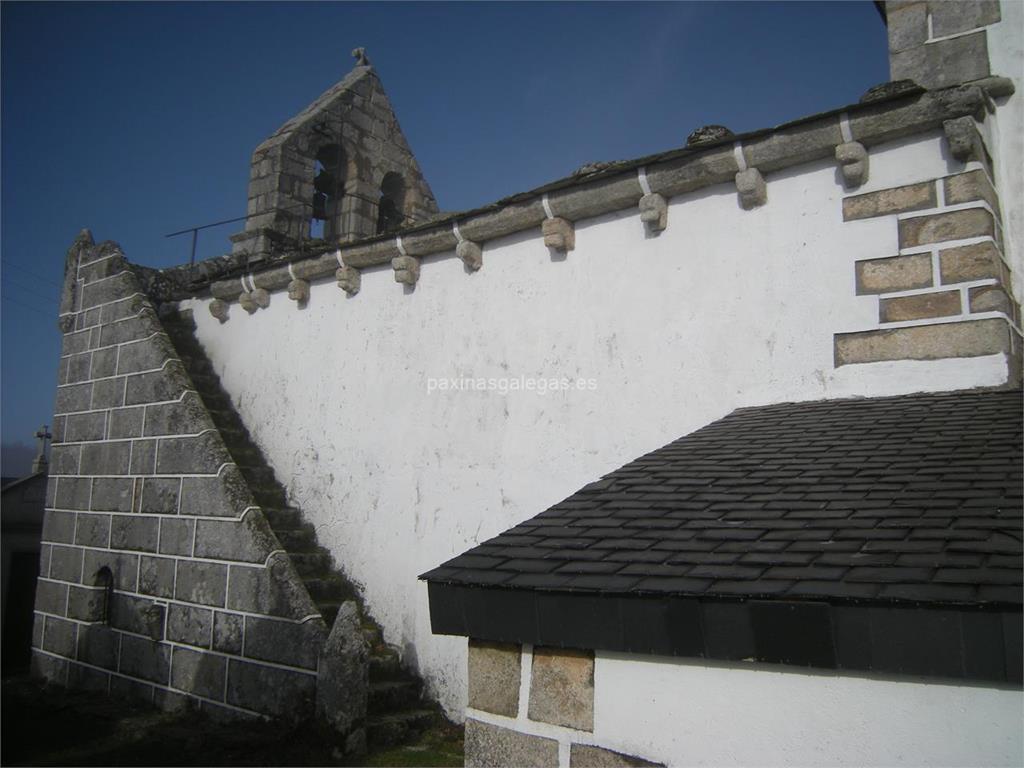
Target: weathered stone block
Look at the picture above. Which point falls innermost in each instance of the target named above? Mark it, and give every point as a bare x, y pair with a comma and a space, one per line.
107, 393
199, 673
111, 494
134, 532
59, 636
654, 212
77, 397
943, 63
562, 688
919, 306
490, 746
951, 225
249, 540
176, 536
973, 185
64, 459
407, 269
204, 583
104, 363
85, 426
226, 495
97, 645
65, 563
160, 495
125, 422
908, 26
586, 756
494, 670
87, 603
130, 306
157, 386
146, 355
349, 280
186, 417
92, 530
269, 591
471, 254
284, 642
145, 659
131, 690
108, 289
51, 597
884, 202
123, 331
143, 457
124, 567
271, 690
972, 262
991, 298
227, 632
343, 673
75, 342
59, 527
136, 614
896, 273
792, 145
924, 342
78, 368
601, 195
156, 576
202, 454
192, 626
559, 234
751, 188
106, 458
951, 18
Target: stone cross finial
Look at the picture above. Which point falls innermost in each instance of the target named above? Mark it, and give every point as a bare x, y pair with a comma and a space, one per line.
39, 463
359, 54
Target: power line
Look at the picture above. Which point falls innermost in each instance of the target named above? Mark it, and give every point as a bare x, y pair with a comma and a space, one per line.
27, 306
36, 275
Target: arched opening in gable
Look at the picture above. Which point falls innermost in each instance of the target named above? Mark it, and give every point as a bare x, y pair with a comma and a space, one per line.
330, 170
391, 208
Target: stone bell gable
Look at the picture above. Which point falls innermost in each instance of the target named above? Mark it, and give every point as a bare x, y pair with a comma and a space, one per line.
343, 161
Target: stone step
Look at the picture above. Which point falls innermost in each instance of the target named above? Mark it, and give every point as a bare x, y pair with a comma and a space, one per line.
393, 696
256, 475
315, 563
398, 727
282, 517
385, 664
301, 539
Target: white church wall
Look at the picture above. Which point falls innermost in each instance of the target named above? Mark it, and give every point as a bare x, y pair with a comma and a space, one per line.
726, 308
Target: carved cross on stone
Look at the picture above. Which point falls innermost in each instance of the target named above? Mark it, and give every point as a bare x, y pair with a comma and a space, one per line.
39, 463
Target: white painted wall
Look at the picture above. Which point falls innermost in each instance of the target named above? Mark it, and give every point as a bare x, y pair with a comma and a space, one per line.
682, 713
726, 308
1006, 139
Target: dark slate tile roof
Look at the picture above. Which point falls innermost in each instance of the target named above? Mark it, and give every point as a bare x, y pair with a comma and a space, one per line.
911, 498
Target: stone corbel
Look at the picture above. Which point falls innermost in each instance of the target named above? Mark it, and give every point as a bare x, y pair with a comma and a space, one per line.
853, 163
298, 289
407, 268
559, 234
654, 212
247, 301
349, 279
219, 309
965, 143
753, 191
471, 253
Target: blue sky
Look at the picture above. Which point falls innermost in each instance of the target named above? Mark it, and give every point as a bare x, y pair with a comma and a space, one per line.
138, 119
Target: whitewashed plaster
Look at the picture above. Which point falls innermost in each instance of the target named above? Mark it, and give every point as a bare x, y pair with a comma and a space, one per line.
726, 308
682, 713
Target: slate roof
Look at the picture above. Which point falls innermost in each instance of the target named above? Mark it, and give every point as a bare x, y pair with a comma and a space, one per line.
911, 498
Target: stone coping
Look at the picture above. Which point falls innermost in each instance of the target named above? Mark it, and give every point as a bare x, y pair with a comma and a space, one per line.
612, 187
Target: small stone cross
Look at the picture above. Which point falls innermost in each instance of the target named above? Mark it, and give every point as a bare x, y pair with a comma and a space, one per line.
39, 463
